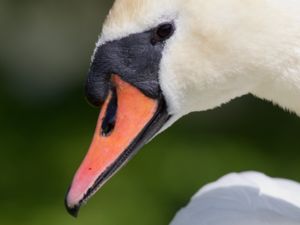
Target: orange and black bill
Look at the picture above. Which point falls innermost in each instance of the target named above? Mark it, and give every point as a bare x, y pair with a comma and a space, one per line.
128, 119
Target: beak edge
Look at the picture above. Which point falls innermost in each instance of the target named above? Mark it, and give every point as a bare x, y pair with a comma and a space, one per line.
132, 104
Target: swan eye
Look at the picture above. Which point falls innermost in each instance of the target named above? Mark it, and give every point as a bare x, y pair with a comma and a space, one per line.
163, 32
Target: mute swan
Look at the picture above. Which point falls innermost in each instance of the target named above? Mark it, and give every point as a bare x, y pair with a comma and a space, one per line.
249, 198
157, 60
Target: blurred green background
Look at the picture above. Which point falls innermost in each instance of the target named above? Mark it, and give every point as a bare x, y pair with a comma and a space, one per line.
46, 128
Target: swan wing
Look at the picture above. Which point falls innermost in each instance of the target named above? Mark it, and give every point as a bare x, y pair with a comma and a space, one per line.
248, 198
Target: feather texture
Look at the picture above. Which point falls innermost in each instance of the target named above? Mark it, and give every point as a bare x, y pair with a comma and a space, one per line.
248, 198
220, 49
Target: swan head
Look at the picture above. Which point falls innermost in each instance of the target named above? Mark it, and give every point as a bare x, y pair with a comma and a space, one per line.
154, 62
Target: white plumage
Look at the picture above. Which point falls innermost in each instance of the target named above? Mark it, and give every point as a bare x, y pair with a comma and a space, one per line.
221, 50
248, 198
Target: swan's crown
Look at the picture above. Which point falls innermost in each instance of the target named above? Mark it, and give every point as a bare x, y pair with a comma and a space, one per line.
220, 50
133, 16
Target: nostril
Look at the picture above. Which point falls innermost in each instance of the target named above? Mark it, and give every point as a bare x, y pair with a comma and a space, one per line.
109, 120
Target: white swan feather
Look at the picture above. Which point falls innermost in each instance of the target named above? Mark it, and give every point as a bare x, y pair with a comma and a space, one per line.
248, 198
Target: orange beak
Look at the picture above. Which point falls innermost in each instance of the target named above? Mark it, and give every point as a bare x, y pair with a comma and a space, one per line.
128, 119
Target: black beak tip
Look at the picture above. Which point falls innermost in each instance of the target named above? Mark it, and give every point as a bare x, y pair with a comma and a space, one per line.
73, 211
